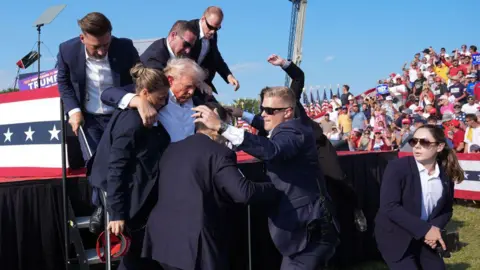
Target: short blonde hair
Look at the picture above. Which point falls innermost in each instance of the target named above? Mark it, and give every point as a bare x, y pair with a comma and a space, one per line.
148, 78
283, 92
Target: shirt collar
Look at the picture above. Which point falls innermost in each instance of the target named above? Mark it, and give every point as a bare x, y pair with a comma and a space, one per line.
422, 168
201, 30
172, 55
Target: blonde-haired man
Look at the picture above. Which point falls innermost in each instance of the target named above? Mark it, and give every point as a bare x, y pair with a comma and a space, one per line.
301, 227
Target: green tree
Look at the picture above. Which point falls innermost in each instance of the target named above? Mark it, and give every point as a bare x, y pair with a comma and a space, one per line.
248, 104
8, 90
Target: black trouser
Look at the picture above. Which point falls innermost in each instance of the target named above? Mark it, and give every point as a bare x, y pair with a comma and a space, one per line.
322, 242
418, 256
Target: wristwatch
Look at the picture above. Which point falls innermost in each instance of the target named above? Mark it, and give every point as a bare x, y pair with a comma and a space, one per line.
223, 128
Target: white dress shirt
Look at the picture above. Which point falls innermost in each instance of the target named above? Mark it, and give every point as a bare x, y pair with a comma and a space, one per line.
98, 78
205, 45
177, 118
235, 135
432, 189
170, 51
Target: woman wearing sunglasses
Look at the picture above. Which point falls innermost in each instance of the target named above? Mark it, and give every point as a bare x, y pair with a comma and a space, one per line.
416, 198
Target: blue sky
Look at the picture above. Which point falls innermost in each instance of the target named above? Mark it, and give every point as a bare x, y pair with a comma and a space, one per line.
345, 42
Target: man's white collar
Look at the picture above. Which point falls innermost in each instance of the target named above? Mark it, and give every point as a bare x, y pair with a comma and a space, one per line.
201, 30
172, 55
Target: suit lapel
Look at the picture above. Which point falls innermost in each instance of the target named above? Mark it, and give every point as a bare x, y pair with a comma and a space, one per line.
112, 59
81, 67
195, 53
417, 187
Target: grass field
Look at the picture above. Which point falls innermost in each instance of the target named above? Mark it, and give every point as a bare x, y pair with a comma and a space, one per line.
466, 220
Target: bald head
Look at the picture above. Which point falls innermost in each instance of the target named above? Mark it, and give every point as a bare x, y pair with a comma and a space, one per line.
211, 21
213, 10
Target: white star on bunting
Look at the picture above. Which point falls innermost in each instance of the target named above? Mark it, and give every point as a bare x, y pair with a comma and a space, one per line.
54, 132
29, 134
8, 135
465, 175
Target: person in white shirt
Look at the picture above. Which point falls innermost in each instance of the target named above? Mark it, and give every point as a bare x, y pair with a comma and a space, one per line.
87, 65
206, 52
184, 76
472, 133
470, 107
416, 202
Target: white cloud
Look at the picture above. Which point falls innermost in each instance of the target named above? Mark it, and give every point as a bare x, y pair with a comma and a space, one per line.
242, 67
329, 58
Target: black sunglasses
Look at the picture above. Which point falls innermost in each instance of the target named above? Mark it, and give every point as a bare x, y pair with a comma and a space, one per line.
211, 27
424, 143
271, 111
186, 44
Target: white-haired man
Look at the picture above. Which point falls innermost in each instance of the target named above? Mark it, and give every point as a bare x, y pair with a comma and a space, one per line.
184, 76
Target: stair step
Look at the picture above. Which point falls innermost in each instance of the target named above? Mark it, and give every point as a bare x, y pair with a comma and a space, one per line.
92, 257
82, 222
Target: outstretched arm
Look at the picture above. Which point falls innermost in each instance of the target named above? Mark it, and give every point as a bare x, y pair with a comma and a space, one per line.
298, 81
125, 97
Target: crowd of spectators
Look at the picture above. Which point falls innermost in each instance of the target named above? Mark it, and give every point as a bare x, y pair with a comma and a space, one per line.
435, 88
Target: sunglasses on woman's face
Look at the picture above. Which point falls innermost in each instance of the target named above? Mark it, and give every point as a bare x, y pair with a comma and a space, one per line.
423, 142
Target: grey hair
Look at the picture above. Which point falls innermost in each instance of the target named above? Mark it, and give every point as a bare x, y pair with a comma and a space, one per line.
177, 67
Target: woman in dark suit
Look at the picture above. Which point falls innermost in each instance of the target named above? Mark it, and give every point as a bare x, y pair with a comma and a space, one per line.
416, 198
125, 164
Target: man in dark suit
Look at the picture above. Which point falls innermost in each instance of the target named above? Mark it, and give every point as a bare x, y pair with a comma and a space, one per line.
125, 166
206, 52
327, 156
87, 65
179, 42
188, 227
301, 226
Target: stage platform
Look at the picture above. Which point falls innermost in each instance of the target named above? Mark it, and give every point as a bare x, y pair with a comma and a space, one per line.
31, 231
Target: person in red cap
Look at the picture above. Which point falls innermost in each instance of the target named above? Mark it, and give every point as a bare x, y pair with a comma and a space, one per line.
456, 134
404, 134
379, 142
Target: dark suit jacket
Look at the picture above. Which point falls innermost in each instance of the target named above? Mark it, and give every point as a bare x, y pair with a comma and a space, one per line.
156, 55
327, 154
125, 164
189, 224
213, 61
292, 166
398, 220
71, 58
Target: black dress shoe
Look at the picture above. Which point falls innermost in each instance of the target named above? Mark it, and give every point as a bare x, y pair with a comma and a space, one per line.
360, 220
96, 221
